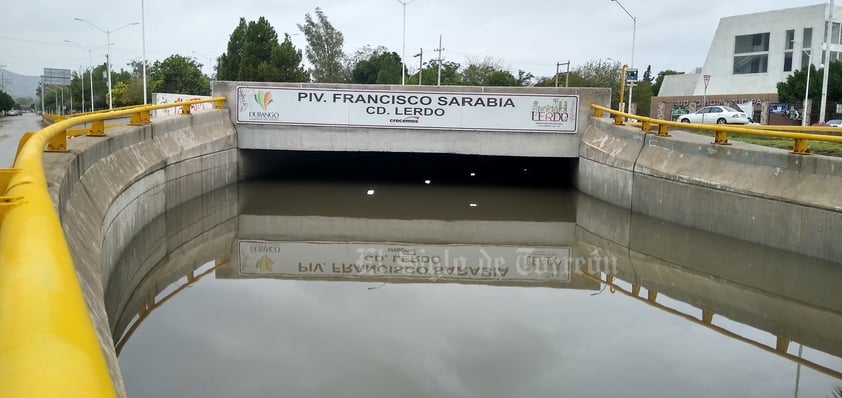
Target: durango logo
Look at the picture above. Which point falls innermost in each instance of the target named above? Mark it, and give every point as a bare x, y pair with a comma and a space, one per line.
263, 99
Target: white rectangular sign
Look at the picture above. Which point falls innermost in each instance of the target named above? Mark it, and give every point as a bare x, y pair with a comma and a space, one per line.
398, 260
166, 98
408, 109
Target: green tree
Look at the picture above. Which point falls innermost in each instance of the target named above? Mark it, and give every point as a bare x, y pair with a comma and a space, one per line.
178, 74
642, 93
254, 54
794, 87
491, 72
324, 48
593, 74
6, 101
656, 87
379, 67
286, 63
229, 62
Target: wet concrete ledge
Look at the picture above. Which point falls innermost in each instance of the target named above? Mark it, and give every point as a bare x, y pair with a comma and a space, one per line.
757, 194
106, 190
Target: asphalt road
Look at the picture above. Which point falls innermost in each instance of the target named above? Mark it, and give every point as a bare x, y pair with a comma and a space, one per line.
11, 129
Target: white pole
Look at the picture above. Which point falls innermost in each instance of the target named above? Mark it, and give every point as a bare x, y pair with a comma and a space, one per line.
438, 82
82, 86
826, 51
634, 34
91, 75
403, 48
806, 115
143, 34
108, 67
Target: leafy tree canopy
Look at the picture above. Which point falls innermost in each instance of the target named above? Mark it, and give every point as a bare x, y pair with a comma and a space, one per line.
656, 87
324, 48
254, 54
179, 75
380, 67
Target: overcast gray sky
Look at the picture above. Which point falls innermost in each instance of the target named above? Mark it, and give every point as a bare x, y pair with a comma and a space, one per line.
532, 35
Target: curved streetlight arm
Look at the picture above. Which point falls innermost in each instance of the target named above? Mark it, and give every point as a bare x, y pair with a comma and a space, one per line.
92, 24
103, 30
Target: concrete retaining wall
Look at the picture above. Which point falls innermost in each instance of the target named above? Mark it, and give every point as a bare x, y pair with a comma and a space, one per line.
758, 194
108, 189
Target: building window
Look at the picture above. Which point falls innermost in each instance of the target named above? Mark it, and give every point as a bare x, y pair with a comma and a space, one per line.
751, 64
751, 43
753, 53
789, 45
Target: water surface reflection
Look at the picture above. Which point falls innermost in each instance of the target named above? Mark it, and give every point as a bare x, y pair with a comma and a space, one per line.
248, 331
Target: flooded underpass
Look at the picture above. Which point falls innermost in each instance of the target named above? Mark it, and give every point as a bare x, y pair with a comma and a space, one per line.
424, 275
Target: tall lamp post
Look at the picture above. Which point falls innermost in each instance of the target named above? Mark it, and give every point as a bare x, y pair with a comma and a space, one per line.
634, 34
108, 56
805, 115
403, 49
826, 57
91, 66
143, 38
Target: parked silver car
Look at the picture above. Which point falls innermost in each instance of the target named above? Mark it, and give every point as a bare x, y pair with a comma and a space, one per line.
719, 114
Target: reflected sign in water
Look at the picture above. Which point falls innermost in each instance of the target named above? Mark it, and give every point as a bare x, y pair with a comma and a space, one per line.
404, 261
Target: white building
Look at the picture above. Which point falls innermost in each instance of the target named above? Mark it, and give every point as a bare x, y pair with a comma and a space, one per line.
751, 53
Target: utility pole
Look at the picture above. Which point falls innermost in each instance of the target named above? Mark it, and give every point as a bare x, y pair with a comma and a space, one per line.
566, 75
420, 64
440, 49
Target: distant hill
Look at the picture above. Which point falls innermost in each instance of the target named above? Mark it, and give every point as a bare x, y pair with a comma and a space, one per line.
19, 85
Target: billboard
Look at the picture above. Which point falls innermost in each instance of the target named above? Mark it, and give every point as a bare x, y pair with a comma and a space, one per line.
551, 113
59, 77
400, 260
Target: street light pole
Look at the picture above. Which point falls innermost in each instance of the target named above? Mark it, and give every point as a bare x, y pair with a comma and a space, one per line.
143, 37
91, 74
826, 58
805, 115
108, 55
403, 49
634, 34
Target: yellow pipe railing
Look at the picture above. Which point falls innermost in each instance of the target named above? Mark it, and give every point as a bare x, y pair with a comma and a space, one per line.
48, 343
800, 139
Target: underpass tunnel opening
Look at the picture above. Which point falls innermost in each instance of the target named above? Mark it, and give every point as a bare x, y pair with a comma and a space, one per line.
451, 169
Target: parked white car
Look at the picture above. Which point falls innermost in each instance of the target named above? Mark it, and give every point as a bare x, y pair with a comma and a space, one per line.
715, 114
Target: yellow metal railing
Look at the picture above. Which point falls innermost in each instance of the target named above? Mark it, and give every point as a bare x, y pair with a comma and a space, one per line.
797, 134
48, 343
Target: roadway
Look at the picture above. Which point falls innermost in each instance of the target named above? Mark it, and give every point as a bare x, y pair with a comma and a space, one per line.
11, 129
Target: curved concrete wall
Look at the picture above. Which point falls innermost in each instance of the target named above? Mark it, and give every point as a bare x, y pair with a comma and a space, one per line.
758, 194
107, 190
